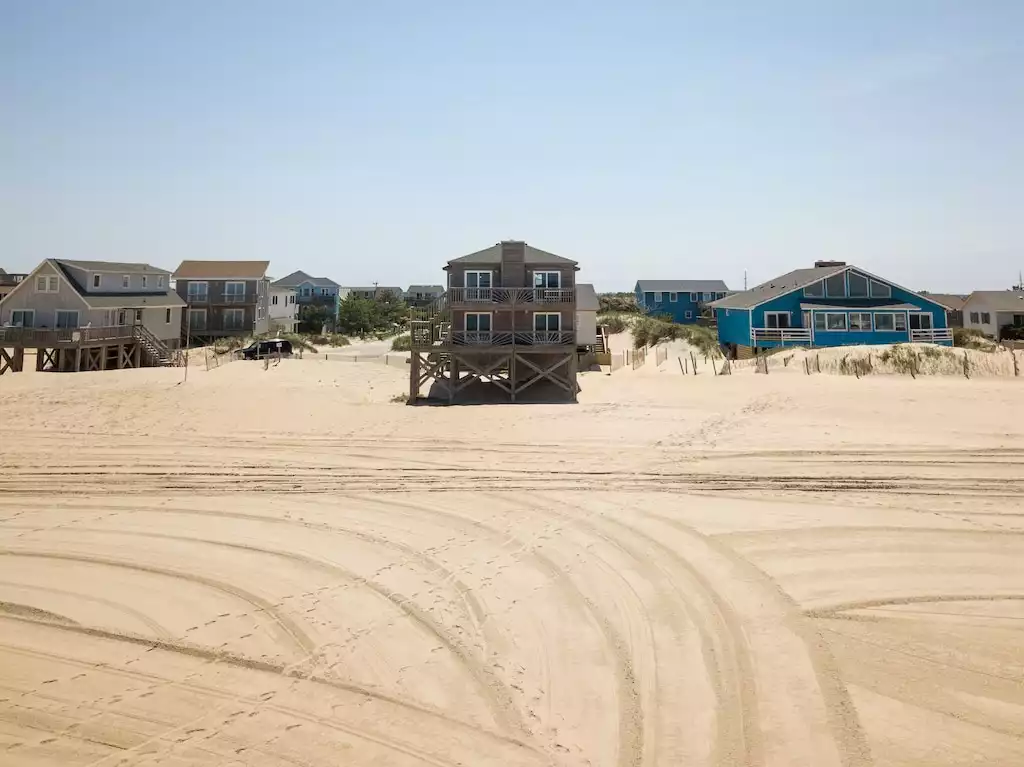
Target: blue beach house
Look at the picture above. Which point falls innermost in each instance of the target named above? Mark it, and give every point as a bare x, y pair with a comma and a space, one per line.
831, 304
682, 300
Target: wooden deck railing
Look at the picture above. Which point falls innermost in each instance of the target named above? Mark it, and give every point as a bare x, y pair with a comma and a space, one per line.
508, 296
41, 338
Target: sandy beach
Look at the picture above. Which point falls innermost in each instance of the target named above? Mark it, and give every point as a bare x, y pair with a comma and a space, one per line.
287, 567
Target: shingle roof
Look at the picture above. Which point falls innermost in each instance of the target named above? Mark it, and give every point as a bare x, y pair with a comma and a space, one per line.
798, 278
998, 300
297, 278
118, 300
221, 270
586, 297
425, 288
110, 266
951, 301
492, 255
682, 286
378, 289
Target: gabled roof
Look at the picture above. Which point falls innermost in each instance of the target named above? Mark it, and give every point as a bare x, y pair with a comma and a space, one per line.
586, 298
425, 289
221, 270
682, 286
788, 282
111, 266
492, 255
951, 301
298, 278
123, 299
998, 300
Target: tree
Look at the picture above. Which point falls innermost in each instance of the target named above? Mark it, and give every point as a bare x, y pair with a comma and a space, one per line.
355, 316
313, 317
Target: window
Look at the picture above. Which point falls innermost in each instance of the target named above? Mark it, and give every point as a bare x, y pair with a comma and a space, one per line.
815, 290
858, 285
880, 290
66, 319
974, 318
138, 315
197, 291
673, 297
707, 296
95, 280
197, 319
829, 321
885, 322
835, 286
306, 292
46, 284
693, 297
547, 322
126, 281
860, 320
551, 280
776, 320
688, 314
145, 281
478, 322
291, 299
901, 322
234, 319
273, 300
23, 318
657, 298
234, 292
159, 280
986, 318
920, 321
478, 286
167, 316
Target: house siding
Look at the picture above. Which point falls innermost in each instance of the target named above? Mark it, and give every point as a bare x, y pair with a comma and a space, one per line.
586, 328
513, 276
45, 305
733, 326
676, 310
257, 296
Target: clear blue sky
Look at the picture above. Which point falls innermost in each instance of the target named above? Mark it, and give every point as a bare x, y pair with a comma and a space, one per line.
374, 140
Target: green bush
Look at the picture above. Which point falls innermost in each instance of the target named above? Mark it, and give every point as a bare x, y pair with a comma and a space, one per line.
615, 323
402, 343
618, 303
972, 338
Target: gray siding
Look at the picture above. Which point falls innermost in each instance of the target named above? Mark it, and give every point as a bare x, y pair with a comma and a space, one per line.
113, 282
45, 305
510, 275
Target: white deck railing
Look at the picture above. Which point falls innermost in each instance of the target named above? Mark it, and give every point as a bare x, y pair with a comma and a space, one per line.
931, 336
781, 335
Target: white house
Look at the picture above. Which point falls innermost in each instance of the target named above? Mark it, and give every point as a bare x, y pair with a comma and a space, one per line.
284, 313
991, 310
586, 314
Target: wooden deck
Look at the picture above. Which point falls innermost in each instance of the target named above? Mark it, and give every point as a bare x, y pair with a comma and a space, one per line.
81, 349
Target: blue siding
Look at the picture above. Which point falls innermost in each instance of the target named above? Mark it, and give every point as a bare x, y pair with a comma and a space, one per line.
731, 330
733, 326
676, 310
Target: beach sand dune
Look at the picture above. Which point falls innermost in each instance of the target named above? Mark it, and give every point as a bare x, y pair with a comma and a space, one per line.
285, 567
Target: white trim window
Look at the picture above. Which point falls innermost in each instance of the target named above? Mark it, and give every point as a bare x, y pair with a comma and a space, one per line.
890, 322
986, 318
66, 318
167, 316
145, 281
829, 321
693, 297
673, 298
860, 321
858, 285
880, 289
23, 318
198, 291
126, 281
273, 300
975, 318
96, 280
478, 284
548, 280
835, 286
138, 315
234, 292
478, 324
547, 322
920, 321
658, 296
707, 296
688, 314
777, 320
159, 280
234, 319
47, 284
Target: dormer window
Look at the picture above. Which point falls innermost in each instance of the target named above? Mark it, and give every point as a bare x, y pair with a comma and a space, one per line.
126, 281
145, 281
95, 280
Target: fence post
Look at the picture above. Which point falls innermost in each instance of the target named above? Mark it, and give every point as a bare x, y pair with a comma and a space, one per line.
693, 359
817, 362
1016, 370
683, 370
713, 366
967, 366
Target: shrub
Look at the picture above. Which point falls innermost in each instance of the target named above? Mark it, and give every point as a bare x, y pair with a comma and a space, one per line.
402, 343
618, 303
704, 338
615, 323
972, 338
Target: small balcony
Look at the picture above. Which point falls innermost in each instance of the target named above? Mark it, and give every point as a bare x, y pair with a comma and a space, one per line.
508, 297
211, 298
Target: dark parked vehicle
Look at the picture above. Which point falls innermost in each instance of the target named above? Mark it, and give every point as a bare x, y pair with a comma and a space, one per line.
257, 350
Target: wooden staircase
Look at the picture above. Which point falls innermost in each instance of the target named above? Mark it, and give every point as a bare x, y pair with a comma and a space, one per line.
156, 351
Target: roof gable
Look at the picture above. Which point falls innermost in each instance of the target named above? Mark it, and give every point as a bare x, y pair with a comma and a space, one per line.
531, 255
997, 300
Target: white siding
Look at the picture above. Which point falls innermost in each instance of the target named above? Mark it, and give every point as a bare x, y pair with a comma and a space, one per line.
586, 328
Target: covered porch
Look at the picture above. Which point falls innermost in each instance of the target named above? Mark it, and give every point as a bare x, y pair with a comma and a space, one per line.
827, 325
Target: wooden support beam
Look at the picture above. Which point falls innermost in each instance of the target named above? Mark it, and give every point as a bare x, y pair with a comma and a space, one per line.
479, 372
12, 361
549, 373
